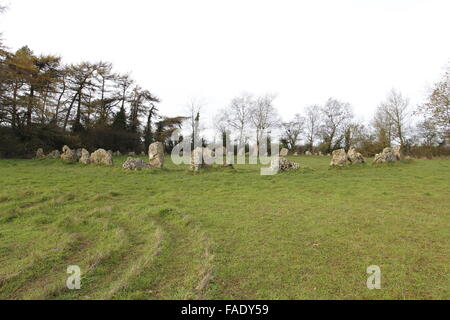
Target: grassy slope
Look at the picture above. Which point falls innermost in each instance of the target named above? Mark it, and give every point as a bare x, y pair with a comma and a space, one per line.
224, 233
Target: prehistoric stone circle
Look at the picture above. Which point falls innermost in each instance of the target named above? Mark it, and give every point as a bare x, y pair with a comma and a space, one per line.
68, 154
354, 156
388, 155
339, 158
156, 155
55, 154
136, 164
284, 152
101, 156
40, 153
85, 156
283, 164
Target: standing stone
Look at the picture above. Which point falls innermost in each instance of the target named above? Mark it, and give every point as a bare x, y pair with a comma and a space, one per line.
308, 153
132, 154
40, 153
200, 158
354, 156
284, 152
398, 152
296, 154
111, 152
85, 156
68, 154
136, 164
101, 156
339, 158
156, 155
387, 155
283, 164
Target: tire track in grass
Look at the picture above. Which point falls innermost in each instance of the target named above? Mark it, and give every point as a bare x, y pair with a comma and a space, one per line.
186, 268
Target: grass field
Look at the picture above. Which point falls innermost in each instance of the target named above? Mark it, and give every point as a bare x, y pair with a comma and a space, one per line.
224, 233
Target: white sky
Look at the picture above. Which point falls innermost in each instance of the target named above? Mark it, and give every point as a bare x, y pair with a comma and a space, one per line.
305, 51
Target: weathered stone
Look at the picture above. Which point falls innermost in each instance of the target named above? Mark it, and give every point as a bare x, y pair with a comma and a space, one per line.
132, 154
308, 153
111, 152
55, 154
295, 153
101, 156
117, 154
85, 156
284, 152
156, 155
354, 156
40, 153
199, 158
68, 154
283, 164
136, 164
387, 155
339, 158
398, 152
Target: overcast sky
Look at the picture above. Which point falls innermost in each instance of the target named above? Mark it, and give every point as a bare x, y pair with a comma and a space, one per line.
305, 51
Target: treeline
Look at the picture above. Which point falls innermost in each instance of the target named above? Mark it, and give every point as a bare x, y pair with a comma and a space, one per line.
45, 103
421, 131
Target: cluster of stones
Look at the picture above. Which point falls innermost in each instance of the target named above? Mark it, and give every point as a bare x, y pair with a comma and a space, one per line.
136, 164
101, 156
342, 158
155, 159
389, 155
283, 164
55, 154
307, 153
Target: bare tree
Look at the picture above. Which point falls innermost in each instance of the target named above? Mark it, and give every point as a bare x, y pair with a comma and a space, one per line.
395, 108
263, 115
312, 124
437, 107
336, 116
240, 113
428, 131
221, 125
383, 127
293, 129
194, 108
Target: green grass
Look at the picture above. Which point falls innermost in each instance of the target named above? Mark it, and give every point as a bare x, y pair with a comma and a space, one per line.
224, 233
